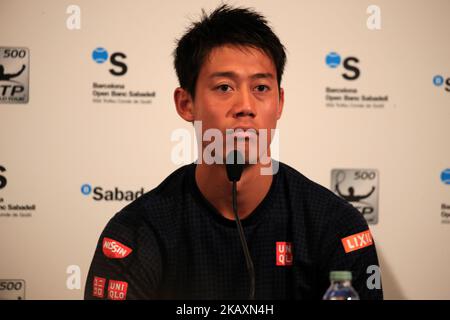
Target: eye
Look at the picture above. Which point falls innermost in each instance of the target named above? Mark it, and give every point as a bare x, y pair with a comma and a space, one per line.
262, 88
223, 88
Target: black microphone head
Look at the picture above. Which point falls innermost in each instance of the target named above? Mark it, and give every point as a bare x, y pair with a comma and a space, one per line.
235, 165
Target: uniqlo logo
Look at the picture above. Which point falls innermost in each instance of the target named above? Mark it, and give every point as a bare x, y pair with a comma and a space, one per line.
117, 290
114, 249
284, 253
357, 241
99, 287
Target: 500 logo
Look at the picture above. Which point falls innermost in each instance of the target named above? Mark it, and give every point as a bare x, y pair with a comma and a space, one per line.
100, 55
12, 289
333, 60
14, 75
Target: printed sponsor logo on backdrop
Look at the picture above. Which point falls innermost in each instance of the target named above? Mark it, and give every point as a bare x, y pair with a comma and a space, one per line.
350, 95
445, 176
14, 75
360, 188
116, 89
445, 212
12, 209
445, 207
12, 289
440, 81
99, 193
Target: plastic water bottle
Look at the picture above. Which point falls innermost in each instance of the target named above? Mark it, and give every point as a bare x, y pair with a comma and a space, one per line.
341, 287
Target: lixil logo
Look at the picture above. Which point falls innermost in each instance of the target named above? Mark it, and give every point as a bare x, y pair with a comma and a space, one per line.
99, 193
100, 55
333, 60
439, 81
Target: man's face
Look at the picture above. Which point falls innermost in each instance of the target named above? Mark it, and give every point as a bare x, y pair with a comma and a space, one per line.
237, 88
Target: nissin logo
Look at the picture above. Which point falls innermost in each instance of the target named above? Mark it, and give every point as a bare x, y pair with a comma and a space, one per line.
439, 81
100, 55
115, 194
333, 60
114, 249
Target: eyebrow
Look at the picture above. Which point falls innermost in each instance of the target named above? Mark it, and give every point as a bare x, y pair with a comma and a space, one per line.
234, 75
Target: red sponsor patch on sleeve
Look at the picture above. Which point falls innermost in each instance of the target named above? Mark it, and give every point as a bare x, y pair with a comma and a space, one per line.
117, 290
99, 287
357, 241
114, 249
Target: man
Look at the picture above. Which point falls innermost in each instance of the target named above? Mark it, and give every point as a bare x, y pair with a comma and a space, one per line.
180, 241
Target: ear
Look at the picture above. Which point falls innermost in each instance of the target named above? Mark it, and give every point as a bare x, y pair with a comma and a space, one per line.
184, 104
280, 104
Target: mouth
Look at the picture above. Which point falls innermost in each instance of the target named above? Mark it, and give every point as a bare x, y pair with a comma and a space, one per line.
242, 133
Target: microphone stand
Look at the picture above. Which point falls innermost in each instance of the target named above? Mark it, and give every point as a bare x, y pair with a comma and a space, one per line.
234, 171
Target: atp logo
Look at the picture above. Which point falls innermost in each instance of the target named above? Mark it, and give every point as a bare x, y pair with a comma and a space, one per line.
360, 188
333, 60
101, 55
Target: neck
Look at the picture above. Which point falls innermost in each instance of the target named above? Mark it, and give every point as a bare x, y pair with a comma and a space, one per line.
213, 183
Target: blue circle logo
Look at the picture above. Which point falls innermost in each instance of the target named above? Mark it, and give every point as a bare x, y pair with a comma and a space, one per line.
445, 176
100, 55
333, 59
86, 189
438, 80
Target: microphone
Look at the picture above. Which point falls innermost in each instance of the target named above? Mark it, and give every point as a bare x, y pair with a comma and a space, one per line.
235, 166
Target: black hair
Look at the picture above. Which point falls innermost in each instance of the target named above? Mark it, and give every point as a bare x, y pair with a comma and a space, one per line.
225, 25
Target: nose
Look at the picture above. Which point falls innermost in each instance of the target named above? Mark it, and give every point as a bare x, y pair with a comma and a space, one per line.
244, 104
